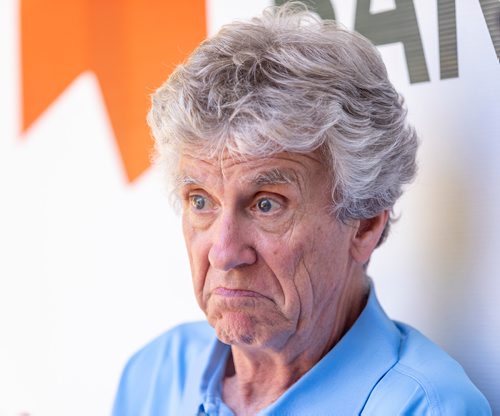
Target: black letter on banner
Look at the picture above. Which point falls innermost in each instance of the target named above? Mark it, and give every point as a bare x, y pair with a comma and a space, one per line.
323, 7
448, 56
397, 25
491, 13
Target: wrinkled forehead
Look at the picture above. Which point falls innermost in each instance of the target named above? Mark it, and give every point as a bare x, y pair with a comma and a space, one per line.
279, 168
227, 156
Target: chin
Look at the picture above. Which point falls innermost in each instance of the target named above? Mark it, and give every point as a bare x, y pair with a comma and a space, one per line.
246, 329
235, 328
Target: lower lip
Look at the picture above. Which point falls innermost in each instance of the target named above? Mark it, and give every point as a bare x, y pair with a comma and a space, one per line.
235, 293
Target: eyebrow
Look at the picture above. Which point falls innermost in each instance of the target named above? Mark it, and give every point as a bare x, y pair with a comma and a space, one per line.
274, 177
184, 180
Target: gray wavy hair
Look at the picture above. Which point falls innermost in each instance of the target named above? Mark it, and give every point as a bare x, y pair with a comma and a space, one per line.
290, 81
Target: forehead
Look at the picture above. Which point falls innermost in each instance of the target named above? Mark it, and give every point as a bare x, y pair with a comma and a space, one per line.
279, 168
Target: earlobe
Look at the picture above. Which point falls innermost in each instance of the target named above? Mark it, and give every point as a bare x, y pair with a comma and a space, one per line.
367, 236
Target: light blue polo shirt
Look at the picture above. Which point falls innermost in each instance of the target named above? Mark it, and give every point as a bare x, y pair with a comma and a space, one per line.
379, 367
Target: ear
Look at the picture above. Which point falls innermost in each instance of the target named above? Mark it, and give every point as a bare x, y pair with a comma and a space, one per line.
367, 236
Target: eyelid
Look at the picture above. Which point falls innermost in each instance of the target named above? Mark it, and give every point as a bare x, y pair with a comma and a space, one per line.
189, 192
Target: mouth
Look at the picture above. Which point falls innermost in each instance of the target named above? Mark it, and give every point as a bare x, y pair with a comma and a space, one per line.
236, 293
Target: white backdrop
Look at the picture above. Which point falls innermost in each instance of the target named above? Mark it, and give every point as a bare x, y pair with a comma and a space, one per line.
92, 266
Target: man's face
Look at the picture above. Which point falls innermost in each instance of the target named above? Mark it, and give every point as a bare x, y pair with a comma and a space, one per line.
269, 261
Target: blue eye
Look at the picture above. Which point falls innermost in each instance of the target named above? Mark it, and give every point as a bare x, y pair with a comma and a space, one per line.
265, 205
198, 202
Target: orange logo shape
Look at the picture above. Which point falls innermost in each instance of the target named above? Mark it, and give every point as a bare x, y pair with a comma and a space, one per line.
131, 45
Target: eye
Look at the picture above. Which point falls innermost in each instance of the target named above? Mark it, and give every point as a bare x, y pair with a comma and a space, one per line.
265, 205
198, 202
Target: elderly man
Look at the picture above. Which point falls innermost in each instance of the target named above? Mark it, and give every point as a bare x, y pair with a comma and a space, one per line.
287, 148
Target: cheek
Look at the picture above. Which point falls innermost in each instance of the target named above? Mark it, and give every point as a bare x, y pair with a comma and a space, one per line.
197, 249
329, 258
284, 257
314, 263
300, 274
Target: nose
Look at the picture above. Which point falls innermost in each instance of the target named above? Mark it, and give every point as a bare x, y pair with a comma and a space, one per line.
231, 244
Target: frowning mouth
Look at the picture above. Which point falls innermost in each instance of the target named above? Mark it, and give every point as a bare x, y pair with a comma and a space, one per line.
236, 293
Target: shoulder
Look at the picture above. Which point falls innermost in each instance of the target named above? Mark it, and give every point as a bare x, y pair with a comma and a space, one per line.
180, 342
425, 381
165, 362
